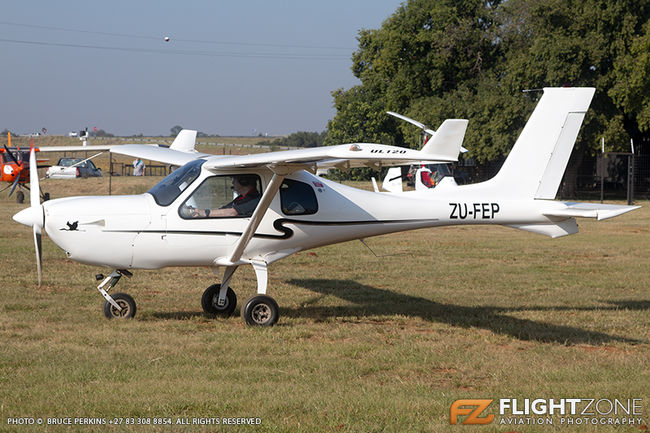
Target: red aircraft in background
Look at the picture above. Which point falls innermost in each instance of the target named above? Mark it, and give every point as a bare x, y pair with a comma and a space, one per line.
14, 168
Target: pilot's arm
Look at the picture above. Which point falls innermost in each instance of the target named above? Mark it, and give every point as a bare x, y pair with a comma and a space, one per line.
203, 213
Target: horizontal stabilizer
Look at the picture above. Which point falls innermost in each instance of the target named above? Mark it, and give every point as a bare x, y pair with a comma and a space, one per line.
590, 210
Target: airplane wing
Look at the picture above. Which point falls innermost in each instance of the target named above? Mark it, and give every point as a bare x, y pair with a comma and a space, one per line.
342, 156
157, 153
179, 153
72, 148
420, 125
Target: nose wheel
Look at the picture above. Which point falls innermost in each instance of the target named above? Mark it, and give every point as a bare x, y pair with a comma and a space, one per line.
126, 304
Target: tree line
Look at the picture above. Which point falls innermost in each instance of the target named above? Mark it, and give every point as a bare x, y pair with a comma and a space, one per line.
298, 139
438, 59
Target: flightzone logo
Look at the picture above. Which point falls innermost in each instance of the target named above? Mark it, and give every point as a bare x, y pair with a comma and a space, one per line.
472, 409
541, 411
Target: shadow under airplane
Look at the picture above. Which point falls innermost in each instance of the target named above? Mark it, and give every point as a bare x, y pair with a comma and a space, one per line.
371, 301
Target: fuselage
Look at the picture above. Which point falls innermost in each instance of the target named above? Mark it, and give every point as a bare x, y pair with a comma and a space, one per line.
137, 231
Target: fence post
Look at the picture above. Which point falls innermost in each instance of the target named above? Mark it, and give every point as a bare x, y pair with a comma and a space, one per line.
110, 172
630, 179
602, 177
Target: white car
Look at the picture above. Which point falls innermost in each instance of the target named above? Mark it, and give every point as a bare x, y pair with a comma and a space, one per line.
70, 168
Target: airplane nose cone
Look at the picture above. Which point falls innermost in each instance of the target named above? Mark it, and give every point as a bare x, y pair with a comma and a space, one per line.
31, 216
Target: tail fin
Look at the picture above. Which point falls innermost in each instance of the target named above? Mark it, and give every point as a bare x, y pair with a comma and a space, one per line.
393, 180
448, 139
184, 141
536, 163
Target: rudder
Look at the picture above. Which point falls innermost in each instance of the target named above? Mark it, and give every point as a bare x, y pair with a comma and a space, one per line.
535, 166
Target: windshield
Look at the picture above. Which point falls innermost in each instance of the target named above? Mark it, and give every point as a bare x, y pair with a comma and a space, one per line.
67, 162
168, 189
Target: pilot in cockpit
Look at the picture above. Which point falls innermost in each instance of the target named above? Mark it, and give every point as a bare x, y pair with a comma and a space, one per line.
243, 205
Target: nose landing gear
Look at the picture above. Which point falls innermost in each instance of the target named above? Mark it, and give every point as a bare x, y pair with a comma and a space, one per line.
120, 305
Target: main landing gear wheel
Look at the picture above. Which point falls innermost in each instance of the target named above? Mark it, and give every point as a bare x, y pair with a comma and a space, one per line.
260, 310
126, 303
210, 301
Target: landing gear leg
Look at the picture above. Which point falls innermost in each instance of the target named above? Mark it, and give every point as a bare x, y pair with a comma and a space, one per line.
120, 305
261, 309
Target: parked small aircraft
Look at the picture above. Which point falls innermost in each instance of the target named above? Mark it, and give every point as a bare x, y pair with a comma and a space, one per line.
14, 162
190, 218
14, 167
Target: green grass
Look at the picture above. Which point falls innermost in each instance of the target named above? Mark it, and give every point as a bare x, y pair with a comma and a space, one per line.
364, 344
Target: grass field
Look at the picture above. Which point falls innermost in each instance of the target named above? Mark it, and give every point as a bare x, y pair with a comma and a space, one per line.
364, 343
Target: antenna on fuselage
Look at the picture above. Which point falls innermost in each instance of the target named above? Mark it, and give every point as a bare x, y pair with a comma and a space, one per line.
363, 241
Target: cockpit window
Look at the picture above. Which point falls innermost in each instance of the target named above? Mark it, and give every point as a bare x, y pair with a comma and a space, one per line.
297, 198
228, 196
18, 156
168, 189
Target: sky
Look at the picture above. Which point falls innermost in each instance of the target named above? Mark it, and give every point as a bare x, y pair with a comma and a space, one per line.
244, 67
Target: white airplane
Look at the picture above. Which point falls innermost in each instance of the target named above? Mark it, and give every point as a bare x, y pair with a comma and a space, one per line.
180, 152
190, 219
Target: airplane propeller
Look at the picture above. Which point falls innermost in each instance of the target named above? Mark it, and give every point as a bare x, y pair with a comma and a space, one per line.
34, 215
13, 185
11, 155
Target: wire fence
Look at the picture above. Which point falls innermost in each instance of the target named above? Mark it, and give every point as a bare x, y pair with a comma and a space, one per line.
610, 176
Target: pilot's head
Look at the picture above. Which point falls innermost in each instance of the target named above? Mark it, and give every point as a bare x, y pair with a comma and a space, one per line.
244, 182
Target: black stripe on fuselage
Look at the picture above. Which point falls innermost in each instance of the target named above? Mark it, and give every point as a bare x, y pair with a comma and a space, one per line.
277, 224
